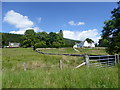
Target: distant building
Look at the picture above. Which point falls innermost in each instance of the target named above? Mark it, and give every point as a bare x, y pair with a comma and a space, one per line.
15, 45
83, 44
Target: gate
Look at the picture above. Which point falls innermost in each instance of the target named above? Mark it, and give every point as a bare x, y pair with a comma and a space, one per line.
103, 60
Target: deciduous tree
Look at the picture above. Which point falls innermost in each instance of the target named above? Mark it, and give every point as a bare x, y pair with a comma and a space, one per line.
111, 31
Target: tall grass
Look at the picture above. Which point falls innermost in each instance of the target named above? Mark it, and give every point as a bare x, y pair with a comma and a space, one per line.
43, 71
13, 58
67, 78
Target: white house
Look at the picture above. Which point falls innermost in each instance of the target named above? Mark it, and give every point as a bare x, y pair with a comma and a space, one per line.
83, 44
14, 44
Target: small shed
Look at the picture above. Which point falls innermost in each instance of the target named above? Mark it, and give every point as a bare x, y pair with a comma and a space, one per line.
84, 44
14, 45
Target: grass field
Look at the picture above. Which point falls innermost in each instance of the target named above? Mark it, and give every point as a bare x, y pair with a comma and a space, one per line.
43, 70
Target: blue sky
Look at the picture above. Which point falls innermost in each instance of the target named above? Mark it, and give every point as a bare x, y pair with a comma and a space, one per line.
78, 20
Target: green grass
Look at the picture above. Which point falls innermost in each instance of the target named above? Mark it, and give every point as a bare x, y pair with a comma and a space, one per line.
43, 70
13, 58
67, 78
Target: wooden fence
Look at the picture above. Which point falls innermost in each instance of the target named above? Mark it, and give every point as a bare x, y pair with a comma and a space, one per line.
80, 55
98, 60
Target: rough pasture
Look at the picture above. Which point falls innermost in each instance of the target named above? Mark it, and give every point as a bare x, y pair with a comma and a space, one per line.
43, 70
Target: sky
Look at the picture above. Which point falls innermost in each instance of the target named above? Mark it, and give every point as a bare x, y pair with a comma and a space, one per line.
78, 20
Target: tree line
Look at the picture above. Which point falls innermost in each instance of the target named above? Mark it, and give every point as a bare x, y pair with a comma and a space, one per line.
42, 39
45, 39
9, 37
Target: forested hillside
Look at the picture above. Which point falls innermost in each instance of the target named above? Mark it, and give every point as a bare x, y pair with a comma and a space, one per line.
8, 37
70, 42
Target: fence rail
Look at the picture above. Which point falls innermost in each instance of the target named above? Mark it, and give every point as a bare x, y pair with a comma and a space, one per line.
100, 55
81, 55
103, 59
107, 60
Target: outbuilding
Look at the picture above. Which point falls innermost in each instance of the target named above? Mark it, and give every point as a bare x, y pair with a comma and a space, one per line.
14, 45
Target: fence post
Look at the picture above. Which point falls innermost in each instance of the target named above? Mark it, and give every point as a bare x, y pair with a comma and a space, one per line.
115, 59
24, 66
87, 60
118, 59
60, 64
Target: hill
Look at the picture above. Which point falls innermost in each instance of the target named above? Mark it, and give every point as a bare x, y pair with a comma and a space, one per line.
70, 42
8, 37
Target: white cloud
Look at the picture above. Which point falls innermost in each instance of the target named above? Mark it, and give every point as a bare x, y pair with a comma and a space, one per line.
77, 35
36, 29
17, 32
81, 23
19, 21
39, 19
75, 24
71, 23
21, 31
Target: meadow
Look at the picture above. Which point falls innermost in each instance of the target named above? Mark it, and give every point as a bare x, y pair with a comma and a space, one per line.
43, 70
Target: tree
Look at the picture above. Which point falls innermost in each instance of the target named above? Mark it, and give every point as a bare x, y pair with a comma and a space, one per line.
56, 44
111, 31
42, 39
103, 42
28, 39
26, 43
51, 38
29, 32
89, 40
61, 33
41, 36
114, 45
41, 44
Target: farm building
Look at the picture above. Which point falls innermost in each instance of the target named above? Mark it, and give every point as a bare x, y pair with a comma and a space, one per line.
14, 44
84, 44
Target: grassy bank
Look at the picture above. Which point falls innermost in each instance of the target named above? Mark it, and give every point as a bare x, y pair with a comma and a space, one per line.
43, 70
